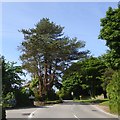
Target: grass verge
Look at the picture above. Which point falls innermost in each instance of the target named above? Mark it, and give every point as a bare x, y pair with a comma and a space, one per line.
93, 101
105, 103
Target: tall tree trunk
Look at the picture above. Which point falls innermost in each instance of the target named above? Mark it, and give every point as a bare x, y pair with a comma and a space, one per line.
40, 86
105, 94
50, 74
45, 78
52, 78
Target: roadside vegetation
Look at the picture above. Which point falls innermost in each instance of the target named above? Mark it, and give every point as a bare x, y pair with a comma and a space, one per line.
49, 56
94, 101
105, 103
93, 76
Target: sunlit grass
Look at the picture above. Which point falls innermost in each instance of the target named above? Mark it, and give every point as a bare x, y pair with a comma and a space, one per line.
105, 103
92, 101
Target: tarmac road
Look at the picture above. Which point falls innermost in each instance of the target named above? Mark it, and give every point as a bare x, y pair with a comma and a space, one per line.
68, 109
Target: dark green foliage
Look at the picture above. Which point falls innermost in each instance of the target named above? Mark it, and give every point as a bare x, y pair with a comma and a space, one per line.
63, 94
113, 90
22, 98
111, 60
11, 82
13, 93
106, 78
111, 29
51, 95
9, 100
10, 76
93, 69
83, 78
111, 33
73, 84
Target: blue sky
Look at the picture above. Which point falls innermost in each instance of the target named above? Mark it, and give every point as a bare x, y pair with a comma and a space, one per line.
81, 20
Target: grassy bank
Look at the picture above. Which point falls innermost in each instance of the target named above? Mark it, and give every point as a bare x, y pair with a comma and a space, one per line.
105, 103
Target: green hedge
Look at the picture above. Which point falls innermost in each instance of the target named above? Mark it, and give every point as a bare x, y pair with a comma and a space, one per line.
113, 90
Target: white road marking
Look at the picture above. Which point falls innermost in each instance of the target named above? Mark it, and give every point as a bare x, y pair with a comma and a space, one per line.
76, 117
31, 115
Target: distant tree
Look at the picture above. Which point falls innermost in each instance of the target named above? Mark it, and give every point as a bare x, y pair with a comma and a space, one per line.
46, 53
94, 69
83, 78
72, 84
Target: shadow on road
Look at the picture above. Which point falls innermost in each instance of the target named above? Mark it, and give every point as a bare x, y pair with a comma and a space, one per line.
30, 107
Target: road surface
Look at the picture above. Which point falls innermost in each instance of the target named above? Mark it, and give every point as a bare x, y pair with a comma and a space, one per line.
68, 109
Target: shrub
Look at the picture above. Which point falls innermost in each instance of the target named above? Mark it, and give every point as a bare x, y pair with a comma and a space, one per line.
22, 98
9, 100
66, 95
113, 90
51, 95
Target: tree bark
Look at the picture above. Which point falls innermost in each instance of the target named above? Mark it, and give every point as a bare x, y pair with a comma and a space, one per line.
45, 78
105, 94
